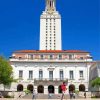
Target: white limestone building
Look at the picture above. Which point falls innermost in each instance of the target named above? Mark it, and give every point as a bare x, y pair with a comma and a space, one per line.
46, 69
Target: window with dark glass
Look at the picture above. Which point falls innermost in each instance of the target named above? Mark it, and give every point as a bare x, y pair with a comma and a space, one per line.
81, 74
51, 75
60, 56
20, 74
61, 74
51, 56
81, 58
31, 56
40, 74
70, 56
30, 74
46, 19
71, 75
41, 56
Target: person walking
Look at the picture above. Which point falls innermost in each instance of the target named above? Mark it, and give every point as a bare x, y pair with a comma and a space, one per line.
63, 88
74, 95
49, 94
34, 95
84, 94
71, 94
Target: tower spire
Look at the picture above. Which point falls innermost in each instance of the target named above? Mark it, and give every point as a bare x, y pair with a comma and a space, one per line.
50, 5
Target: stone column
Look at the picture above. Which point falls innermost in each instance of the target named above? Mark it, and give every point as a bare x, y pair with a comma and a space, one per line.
35, 88
56, 89
45, 89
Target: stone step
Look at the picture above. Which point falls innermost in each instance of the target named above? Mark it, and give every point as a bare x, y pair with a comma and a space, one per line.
44, 96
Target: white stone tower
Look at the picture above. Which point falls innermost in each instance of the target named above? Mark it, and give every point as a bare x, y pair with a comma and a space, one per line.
50, 28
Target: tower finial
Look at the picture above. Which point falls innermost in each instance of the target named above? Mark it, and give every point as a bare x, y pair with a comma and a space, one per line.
50, 5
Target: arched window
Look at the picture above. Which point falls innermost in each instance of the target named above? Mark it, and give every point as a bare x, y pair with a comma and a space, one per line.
40, 89
81, 87
19, 87
71, 87
59, 89
30, 87
51, 89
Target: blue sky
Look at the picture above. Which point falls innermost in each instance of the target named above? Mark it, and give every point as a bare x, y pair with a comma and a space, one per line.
19, 25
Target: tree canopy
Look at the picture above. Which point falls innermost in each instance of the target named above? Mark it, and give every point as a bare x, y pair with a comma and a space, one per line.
6, 72
96, 82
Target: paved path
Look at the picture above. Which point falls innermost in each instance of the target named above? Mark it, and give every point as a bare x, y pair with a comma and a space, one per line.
48, 99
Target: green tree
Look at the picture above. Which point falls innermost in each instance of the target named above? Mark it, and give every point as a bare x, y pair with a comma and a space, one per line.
6, 72
96, 82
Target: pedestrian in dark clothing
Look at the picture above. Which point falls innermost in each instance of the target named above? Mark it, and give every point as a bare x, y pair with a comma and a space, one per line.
84, 94
71, 94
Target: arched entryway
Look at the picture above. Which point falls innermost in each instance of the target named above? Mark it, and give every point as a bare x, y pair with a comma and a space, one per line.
71, 87
81, 87
40, 89
30, 87
19, 87
59, 89
51, 89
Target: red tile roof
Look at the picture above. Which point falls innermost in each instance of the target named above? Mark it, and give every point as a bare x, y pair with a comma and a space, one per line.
51, 51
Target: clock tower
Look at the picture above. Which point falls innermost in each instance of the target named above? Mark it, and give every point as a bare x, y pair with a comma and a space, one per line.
50, 27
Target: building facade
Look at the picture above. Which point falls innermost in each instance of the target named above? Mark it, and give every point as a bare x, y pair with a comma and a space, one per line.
44, 70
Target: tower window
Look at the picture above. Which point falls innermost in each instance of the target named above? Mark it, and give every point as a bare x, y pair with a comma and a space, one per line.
46, 20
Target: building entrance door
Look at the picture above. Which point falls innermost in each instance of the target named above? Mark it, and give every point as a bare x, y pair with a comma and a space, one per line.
71, 88
51, 89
